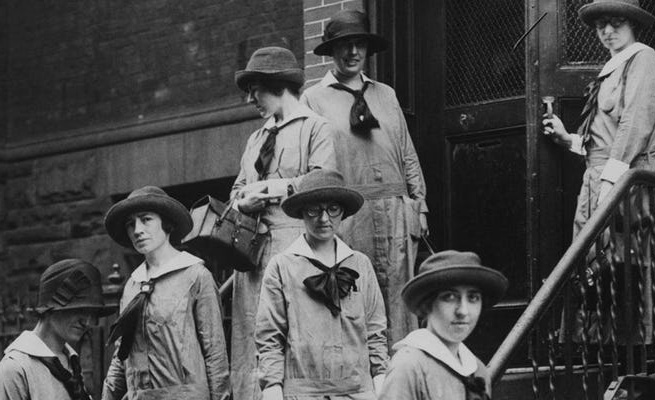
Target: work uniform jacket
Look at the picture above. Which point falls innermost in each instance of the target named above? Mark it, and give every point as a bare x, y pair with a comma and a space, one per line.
24, 377
303, 347
417, 370
621, 137
384, 167
179, 349
304, 142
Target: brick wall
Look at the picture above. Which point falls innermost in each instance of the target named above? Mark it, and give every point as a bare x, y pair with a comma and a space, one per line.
75, 64
317, 14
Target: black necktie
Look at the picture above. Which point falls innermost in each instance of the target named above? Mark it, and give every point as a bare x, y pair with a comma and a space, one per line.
266, 153
126, 324
331, 285
590, 109
361, 118
73, 382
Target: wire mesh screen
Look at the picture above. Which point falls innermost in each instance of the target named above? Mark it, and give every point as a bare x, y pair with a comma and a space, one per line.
480, 62
581, 45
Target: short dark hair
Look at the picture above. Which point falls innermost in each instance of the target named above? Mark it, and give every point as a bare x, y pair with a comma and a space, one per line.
277, 86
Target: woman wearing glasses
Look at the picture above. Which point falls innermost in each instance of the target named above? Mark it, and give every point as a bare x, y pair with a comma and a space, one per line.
293, 141
619, 116
321, 318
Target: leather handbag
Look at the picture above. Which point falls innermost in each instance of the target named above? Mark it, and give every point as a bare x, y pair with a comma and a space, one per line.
221, 232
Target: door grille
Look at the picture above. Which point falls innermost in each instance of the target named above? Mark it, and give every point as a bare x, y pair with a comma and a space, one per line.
480, 63
581, 46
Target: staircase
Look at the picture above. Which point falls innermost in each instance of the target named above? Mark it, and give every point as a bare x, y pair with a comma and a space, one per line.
591, 322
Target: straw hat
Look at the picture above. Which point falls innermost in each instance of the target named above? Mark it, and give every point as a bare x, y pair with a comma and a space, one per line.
322, 185
620, 8
451, 268
70, 285
270, 63
349, 24
152, 199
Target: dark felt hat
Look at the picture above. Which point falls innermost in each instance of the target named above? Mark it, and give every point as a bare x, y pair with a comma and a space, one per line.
270, 64
69, 285
323, 185
620, 8
152, 199
451, 268
349, 24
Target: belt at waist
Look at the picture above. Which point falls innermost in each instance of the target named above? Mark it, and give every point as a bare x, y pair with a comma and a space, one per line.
373, 191
598, 156
324, 387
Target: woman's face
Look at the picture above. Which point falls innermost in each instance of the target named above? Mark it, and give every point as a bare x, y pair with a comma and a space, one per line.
453, 314
322, 220
615, 33
267, 103
349, 56
70, 325
146, 232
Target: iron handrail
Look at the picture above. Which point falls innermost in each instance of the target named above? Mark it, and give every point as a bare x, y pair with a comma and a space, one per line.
557, 279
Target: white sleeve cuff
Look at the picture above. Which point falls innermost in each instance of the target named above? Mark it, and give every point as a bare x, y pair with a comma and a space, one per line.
613, 170
277, 187
576, 145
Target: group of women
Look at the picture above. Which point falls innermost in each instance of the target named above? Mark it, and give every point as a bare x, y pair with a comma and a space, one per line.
335, 284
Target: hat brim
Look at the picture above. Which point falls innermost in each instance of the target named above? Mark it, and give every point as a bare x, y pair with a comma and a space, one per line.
591, 12
243, 78
376, 43
165, 206
492, 284
103, 311
350, 200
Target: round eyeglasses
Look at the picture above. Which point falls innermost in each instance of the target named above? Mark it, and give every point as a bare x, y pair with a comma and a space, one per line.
333, 210
616, 22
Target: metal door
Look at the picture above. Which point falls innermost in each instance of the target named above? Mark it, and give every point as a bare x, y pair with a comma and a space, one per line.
564, 56
462, 84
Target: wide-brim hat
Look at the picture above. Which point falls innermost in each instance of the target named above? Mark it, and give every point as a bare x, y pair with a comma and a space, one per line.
71, 284
621, 8
349, 24
270, 64
450, 268
152, 199
322, 185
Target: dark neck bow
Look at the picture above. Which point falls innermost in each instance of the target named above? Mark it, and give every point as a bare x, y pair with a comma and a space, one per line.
476, 388
361, 118
127, 322
332, 285
73, 382
266, 153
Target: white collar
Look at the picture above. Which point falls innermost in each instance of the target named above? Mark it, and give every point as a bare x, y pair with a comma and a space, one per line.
330, 79
300, 247
430, 343
32, 345
181, 261
620, 58
302, 111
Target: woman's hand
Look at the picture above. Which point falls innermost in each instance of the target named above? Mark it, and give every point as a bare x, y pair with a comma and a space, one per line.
272, 393
254, 202
423, 220
554, 128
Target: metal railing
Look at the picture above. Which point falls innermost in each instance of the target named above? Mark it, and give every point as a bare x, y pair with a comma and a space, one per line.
592, 319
